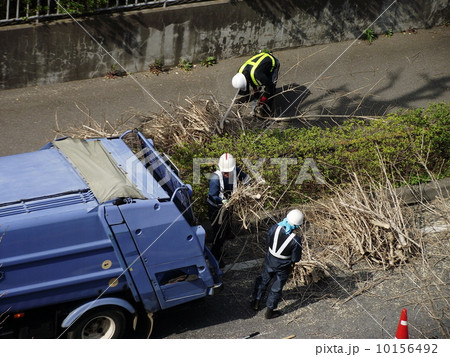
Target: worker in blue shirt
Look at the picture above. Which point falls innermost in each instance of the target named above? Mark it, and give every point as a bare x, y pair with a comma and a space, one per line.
222, 184
284, 250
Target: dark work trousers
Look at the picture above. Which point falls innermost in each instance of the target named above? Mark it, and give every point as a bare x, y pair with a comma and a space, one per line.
279, 275
221, 232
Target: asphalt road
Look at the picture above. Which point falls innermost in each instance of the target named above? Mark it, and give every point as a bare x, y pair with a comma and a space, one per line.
338, 307
402, 71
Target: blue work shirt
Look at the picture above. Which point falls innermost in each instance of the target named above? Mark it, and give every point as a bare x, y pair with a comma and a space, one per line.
214, 186
294, 248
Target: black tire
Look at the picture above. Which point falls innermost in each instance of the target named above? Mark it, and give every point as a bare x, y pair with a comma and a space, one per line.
106, 322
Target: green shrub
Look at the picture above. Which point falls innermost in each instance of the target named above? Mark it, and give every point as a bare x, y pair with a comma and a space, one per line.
403, 140
369, 35
209, 61
184, 64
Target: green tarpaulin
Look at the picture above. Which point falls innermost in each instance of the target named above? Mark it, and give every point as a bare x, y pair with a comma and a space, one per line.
99, 169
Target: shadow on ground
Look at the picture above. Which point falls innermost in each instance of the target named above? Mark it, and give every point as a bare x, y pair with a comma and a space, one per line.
330, 106
288, 100
232, 302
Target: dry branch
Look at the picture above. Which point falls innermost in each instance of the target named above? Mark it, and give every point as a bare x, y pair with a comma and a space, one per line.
309, 272
248, 204
198, 123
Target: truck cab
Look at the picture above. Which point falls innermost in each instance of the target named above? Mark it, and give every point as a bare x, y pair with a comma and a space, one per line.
95, 234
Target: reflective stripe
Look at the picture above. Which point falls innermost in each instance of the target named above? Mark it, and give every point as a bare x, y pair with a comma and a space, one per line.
277, 253
254, 62
222, 186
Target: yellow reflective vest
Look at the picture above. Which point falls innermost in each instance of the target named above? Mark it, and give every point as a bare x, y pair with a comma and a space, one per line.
254, 62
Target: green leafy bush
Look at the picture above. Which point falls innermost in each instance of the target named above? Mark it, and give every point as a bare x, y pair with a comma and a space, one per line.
404, 141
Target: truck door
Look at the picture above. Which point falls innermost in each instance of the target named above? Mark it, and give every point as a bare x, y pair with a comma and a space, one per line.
130, 259
169, 249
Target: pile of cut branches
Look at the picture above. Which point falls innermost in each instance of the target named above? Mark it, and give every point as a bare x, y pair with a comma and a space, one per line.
196, 123
356, 223
369, 223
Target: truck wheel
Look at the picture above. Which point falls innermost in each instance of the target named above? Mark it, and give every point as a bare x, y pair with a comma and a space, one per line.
101, 323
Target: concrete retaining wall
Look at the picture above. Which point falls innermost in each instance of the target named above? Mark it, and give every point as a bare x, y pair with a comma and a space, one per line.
63, 51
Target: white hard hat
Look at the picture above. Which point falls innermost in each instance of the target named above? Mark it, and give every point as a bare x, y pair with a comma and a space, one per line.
227, 163
295, 217
239, 81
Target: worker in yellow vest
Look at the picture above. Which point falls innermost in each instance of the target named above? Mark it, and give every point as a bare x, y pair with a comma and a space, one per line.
259, 71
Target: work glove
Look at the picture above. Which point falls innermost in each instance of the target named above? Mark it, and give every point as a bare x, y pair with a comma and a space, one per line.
225, 201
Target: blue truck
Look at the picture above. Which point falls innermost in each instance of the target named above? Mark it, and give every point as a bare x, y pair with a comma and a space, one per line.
96, 236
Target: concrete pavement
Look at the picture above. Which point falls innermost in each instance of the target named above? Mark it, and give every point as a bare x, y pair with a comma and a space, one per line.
402, 71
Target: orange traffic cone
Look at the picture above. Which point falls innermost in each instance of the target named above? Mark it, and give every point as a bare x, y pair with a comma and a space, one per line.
402, 329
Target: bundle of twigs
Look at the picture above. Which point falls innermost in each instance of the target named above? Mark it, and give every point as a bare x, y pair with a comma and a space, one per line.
309, 272
248, 204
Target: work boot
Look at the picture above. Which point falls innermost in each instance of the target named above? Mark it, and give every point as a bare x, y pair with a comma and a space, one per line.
255, 304
271, 314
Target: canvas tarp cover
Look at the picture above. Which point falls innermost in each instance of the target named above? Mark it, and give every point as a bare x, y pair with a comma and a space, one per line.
99, 169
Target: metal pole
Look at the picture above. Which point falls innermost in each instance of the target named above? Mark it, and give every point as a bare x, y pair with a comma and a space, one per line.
17, 8
38, 5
